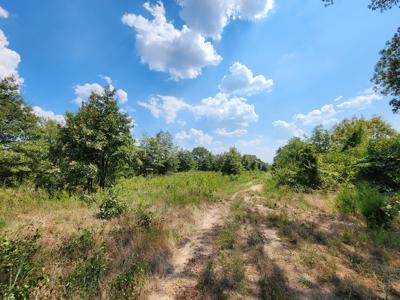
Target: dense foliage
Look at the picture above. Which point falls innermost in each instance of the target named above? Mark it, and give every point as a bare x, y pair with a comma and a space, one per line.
93, 148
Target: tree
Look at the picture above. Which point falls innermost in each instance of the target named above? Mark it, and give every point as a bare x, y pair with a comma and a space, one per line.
232, 162
296, 165
381, 5
159, 154
203, 159
185, 161
19, 131
97, 139
387, 72
321, 139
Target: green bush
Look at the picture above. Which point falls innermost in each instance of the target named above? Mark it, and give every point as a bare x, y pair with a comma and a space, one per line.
371, 204
346, 200
111, 206
20, 270
296, 165
145, 218
127, 285
78, 247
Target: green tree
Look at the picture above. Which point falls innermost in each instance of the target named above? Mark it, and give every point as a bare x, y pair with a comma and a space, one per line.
159, 154
185, 161
19, 132
381, 5
203, 159
231, 162
296, 165
97, 139
387, 72
321, 139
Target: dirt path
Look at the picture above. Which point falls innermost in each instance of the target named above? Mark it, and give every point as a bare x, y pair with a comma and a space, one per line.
188, 259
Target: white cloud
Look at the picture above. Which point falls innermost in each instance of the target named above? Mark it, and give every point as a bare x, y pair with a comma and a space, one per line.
197, 135
234, 133
9, 59
48, 115
3, 13
165, 106
122, 96
360, 101
242, 82
291, 127
209, 17
221, 108
83, 91
325, 116
182, 53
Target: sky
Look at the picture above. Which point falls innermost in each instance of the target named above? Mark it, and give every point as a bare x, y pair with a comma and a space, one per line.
244, 73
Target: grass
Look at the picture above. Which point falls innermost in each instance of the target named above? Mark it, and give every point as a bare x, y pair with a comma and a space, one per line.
80, 255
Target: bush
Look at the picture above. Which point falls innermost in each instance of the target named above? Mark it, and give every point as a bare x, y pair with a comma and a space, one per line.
346, 200
111, 206
20, 271
144, 216
79, 246
232, 164
296, 165
371, 204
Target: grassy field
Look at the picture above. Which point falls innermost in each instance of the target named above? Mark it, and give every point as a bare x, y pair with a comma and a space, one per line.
247, 239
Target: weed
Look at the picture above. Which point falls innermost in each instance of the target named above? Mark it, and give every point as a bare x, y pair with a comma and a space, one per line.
346, 200
111, 206
127, 285
79, 246
20, 270
88, 275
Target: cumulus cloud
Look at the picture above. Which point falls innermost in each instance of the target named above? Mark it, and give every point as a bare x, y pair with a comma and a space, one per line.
222, 108
209, 17
83, 91
3, 13
234, 133
360, 101
166, 107
325, 116
197, 135
235, 111
242, 82
291, 127
48, 115
9, 59
182, 53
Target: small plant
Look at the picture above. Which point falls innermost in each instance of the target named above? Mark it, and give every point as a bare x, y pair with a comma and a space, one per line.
233, 270
111, 206
78, 247
371, 204
88, 275
20, 270
346, 200
127, 285
144, 216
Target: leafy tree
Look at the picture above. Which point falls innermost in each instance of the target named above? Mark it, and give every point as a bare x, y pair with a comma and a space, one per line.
231, 162
19, 131
97, 139
159, 154
203, 159
387, 71
375, 4
382, 163
321, 139
185, 161
296, 165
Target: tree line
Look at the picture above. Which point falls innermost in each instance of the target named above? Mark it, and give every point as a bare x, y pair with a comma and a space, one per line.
94, 147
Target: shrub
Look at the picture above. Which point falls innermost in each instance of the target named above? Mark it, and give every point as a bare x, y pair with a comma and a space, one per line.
232, 164
20, 270
78, 247
127, 284
88, 275
371, 204
296, 165
111, 206
144, 216
346, 200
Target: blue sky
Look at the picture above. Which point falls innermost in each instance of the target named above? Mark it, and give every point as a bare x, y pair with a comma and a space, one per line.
214, 73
